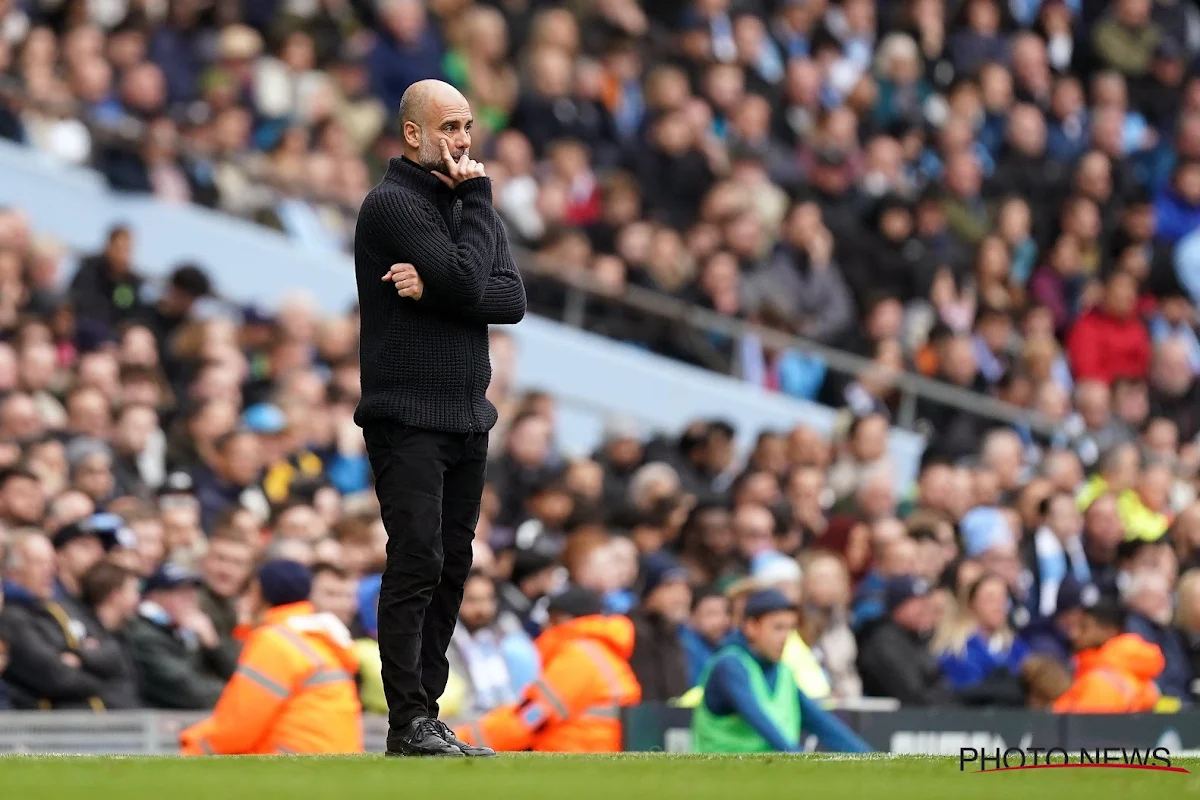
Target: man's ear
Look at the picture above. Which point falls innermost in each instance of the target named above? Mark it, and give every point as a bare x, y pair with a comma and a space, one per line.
412, 134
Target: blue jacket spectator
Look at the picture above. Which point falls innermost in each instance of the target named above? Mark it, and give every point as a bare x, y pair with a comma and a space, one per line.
174, 48
407, 51
974, 649
1178, 207
981, 657
1176, 677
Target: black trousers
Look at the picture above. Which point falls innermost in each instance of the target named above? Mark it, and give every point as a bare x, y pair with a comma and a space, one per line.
429, 486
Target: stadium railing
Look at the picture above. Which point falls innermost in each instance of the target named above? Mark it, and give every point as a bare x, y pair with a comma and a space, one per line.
658, 727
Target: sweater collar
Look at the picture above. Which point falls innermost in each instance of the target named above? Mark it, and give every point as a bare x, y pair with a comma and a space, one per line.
412, 175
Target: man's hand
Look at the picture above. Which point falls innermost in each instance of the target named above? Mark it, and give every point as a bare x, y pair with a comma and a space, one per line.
199, 623
463, 170
408, 282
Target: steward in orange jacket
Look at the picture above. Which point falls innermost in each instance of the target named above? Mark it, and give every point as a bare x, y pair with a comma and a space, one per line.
294, 690
1114, 671
575, 706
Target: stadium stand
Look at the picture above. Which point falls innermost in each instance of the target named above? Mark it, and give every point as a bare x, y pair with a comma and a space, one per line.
975, 221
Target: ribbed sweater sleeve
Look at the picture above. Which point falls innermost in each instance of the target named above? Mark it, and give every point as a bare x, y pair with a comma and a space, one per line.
457, 272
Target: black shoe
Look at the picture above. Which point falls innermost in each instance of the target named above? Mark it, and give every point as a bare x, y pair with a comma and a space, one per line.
421, 737
472, 750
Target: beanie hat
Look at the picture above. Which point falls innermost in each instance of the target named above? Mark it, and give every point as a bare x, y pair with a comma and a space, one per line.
283, 582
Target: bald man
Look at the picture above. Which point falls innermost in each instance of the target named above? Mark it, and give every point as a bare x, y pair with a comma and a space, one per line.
434, 270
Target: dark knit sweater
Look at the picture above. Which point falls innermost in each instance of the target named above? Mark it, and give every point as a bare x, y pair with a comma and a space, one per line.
425, 363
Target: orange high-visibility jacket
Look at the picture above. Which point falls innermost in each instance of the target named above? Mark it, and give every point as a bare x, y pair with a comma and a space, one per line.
293, 692
575, 706
1115, 678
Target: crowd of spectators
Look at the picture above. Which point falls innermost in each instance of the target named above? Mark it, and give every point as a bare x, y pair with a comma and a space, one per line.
1000, 195
151, 455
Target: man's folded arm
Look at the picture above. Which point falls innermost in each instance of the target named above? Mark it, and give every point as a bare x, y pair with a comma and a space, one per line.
458, 272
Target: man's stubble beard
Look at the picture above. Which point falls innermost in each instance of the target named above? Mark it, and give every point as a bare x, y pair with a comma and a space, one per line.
429, 155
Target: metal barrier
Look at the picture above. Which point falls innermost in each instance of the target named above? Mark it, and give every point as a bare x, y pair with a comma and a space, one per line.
658, 727
147, 733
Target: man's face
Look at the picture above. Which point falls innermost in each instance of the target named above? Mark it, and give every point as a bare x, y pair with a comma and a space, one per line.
226, 567
1064, 518
335, 595
768, 634
446, 121
673, 600
126, 599
79, 555
711, 618
914, 614
94, 477
1089, 633
120, 253
478, 608
241, 460
180, 603
37, 568
136, 426
754, 528
22, 501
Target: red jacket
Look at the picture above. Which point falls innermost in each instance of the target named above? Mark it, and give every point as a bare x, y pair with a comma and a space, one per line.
1102, 347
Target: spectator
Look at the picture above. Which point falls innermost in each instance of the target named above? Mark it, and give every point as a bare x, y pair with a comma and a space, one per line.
1187, 621
46, 659
706, 630
897, 558
562, 711
979, 648
482, 649
407, 51
826, 608
1126, 38
803, 279
110, 593
1148, 599
1058, 551
1114, 670
175, 647
1174, 389
231, 476
334, 592
226, 569
659, 660
1053, 636
106, 286
1110, 342
892, 658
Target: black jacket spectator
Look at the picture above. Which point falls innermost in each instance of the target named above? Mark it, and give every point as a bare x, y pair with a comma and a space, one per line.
1182, 409
106, 289
1176, 677
658, 659
895, 662
173, 671
46, 661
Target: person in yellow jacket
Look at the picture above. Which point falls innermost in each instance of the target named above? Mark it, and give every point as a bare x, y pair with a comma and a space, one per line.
294, 690
575, 706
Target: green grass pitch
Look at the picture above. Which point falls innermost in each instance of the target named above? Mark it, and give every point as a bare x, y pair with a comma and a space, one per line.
548, 777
